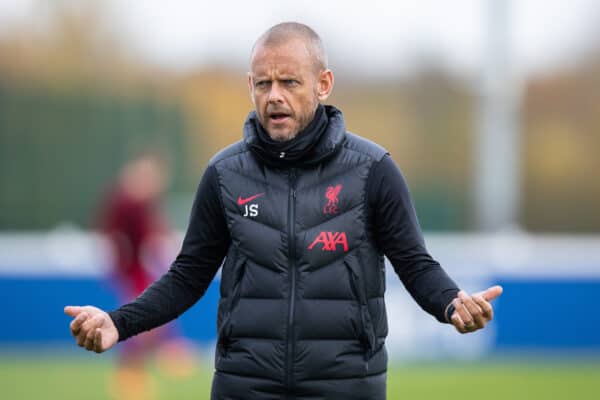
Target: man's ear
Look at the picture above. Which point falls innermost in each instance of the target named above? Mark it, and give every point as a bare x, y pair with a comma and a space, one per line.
251, 88
325, 84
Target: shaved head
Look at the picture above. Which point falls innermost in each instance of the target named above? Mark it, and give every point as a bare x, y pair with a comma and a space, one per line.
288, 78
286, 31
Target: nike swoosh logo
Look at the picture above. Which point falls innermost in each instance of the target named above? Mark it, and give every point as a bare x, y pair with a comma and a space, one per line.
241, 201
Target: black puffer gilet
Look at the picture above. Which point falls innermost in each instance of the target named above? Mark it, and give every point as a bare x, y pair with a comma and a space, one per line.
301, 314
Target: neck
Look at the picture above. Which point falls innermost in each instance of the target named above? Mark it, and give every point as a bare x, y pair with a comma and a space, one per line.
308, 126
293, 149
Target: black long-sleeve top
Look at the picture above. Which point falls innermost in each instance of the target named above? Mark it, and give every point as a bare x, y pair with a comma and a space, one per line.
397, 234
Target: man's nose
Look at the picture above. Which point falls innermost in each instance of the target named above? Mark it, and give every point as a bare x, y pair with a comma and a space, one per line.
275, 94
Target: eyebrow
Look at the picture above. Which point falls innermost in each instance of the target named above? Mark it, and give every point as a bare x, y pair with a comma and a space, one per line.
281, 77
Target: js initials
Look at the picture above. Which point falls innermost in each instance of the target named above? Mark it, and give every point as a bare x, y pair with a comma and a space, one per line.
250, 210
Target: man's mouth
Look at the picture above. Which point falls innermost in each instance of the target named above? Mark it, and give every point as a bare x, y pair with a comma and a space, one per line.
278, 117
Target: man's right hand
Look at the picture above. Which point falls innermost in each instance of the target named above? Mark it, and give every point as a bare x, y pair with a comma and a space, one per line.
92, 328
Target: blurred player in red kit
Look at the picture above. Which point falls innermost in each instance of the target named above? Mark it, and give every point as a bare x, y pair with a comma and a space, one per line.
133, 223
141, 246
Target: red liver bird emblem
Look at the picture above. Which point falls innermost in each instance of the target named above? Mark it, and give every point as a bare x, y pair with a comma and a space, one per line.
332, 199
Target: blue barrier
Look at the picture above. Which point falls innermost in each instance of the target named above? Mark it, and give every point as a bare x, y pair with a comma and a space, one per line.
548, 314
33, 308
532, 314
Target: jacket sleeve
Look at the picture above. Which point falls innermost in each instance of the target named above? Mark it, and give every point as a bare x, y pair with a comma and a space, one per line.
398, 235
204, 247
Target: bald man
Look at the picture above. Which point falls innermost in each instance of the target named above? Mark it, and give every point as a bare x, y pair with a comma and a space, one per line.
302, 212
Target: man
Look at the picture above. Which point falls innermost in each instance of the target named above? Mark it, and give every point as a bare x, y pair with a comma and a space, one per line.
303, 213
139, 237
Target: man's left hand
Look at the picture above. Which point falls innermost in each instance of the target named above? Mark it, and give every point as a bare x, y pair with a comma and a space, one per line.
472, 313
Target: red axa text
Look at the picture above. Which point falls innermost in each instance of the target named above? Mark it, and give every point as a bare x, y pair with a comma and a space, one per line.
330, 241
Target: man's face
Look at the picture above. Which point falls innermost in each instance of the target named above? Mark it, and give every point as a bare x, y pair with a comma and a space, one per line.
286, 86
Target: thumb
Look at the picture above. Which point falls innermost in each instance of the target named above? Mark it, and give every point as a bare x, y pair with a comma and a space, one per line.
73, 311
492, 293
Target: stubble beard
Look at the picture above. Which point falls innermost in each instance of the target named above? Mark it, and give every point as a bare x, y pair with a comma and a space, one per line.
282, 137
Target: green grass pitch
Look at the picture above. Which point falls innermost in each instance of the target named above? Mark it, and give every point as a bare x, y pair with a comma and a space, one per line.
65, 378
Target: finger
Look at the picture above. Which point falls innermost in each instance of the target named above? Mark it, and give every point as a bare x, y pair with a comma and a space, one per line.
486, 308
75, 325
458, 323
473, 308
80, 338
98, 341
457, 317
492, 293
88, 327
73, 311
464, 314
92, 323
82, 335
89, 340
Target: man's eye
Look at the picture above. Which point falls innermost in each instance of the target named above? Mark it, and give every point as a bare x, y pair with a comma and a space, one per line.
261, 84
290, 82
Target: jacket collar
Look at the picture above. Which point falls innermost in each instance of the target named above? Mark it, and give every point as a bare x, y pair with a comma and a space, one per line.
322, 144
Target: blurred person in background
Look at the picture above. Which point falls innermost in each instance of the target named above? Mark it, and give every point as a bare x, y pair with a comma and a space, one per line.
302, 212
141, 245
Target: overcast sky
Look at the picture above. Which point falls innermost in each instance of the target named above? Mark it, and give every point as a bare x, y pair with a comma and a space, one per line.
373, 36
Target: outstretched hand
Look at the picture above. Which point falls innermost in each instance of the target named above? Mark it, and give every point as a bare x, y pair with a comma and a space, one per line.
472, 313
92, 328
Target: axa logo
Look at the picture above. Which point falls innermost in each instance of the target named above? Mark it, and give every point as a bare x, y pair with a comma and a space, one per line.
332, 199
250, 210
330, 241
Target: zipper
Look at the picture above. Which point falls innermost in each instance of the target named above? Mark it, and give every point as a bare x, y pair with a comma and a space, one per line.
292, 275
356, 293
225, 332
360, 291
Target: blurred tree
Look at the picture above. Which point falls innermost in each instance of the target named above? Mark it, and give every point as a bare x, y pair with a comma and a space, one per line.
59, 149
74, 100
71, 44
562, 149
73, 107
426, 122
